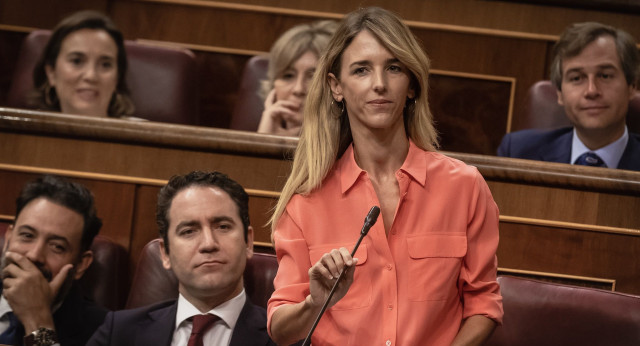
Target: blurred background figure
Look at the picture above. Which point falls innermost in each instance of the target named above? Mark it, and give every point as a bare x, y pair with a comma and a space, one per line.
82, 68
292, 62
595, 71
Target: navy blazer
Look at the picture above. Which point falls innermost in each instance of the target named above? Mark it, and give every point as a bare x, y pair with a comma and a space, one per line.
555, 146
154, 325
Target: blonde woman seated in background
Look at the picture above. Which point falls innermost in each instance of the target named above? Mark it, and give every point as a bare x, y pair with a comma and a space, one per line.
292, 62
82, 69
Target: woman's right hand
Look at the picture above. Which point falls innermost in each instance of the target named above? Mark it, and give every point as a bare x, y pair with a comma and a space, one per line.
280, 117
324, 274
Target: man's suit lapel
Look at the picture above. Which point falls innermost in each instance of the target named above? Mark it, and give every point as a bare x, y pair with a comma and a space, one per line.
159, 328
68, 318
251, 328
559, 149
631, 157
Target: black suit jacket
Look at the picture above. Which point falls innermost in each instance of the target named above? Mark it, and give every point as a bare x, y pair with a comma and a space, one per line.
154, 325
76, 319
555, 146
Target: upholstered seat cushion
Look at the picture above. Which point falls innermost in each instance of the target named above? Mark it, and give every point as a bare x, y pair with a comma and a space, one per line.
543, 313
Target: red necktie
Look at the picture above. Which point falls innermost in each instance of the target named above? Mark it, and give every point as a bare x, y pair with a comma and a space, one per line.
201, 323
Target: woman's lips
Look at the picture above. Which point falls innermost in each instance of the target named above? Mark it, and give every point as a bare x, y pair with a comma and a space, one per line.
87, 94
379, 102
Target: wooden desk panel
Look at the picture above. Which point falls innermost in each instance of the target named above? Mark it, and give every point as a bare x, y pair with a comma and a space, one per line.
556, 219
581, 205
141, 149
570, 251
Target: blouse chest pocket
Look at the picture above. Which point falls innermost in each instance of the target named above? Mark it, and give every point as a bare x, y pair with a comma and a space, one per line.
435, 261
359, 294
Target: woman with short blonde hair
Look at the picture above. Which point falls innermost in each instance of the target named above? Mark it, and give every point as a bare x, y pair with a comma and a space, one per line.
292, 63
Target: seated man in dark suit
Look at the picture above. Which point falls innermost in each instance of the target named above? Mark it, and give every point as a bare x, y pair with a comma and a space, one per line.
206, 240
595, 70
45, 251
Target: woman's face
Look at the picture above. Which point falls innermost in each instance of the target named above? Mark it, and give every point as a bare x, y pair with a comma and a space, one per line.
293, 84
373, 83
85, 74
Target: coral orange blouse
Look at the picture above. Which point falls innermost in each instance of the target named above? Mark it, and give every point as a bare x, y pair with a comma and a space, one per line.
436, 267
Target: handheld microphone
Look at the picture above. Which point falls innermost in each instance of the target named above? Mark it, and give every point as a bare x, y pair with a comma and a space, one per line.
369, 221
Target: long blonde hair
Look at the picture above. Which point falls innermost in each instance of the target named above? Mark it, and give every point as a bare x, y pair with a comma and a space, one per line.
325, 131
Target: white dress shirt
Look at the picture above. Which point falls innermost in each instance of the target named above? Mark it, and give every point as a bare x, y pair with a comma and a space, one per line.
221, 331
610, 154
4, 309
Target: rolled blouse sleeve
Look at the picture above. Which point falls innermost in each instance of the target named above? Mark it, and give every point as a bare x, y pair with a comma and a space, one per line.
480, 291
292, 279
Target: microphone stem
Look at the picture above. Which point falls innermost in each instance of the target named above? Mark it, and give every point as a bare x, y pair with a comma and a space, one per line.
307, 341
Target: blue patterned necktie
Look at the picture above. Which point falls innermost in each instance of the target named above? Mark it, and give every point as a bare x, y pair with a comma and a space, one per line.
590, 159
9, 335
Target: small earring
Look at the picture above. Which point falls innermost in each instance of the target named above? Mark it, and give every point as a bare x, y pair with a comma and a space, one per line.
341, 108
48, 99
116, 98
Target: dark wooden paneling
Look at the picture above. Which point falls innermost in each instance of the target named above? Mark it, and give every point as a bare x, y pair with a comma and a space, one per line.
260, 210
219, 79
44, 13
524, 60
144, 222
114, 202
11, 185
9, 48
140, 161
230, 28
472, 13
529, 18
471, 114
566, 204
621, 6
572, 252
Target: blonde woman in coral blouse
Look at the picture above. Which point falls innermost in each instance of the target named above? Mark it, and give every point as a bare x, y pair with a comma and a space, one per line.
426, 272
